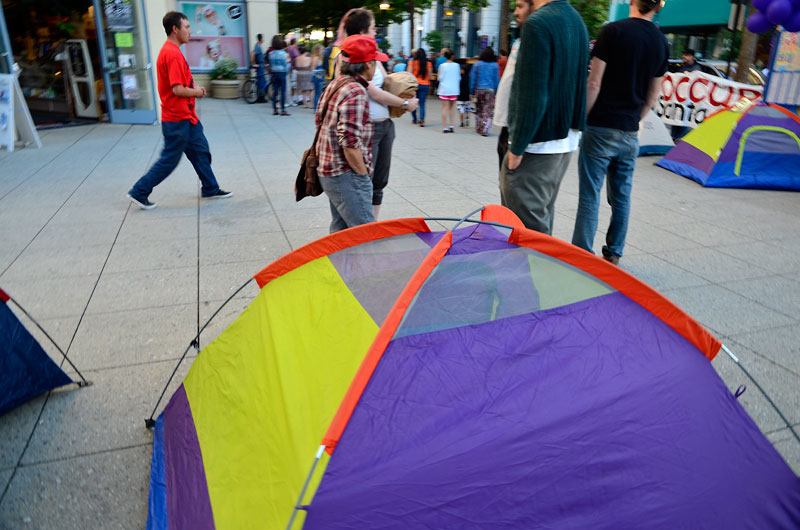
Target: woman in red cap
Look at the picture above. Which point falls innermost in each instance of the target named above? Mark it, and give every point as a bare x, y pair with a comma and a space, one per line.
345, 137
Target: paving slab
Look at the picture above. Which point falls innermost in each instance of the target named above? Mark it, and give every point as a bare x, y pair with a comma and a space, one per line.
781, 345
725, 312
94, 491
131, 337
109, 414
15, 429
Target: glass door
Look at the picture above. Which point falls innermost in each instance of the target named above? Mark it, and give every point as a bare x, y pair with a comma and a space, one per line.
125, 57
6, 58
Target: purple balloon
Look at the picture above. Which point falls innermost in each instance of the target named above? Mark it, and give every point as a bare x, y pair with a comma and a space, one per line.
762, 5
779, 11
758, 23
793, 24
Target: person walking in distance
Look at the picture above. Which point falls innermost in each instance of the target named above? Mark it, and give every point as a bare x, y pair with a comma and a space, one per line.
522, 11
182, 130
449, 76
547, 111
483, 80
258, 59
628, 62
279, 67
421, 67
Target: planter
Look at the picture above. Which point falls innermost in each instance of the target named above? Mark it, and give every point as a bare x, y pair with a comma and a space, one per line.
225, 88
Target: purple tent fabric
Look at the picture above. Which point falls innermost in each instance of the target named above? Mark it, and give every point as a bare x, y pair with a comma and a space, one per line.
591, 415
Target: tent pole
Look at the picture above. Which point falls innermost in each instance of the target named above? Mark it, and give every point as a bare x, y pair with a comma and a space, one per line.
456, 219
150, 422
298, 505
740, 365
470, 214
83, 381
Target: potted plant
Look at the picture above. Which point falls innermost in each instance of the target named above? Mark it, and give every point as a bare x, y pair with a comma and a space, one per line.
224, 83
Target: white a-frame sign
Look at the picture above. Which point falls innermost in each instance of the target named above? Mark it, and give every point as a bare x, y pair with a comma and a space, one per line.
14, 115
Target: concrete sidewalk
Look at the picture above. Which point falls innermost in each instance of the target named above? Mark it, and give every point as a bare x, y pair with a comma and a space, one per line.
125, 290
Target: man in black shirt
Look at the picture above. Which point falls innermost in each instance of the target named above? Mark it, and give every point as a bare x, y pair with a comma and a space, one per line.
628, 62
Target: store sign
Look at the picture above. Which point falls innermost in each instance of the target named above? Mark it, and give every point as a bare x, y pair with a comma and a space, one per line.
14, 116
219, 31
119, 13
689, 98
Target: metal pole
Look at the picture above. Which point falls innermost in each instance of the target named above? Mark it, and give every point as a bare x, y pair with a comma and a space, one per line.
298, 505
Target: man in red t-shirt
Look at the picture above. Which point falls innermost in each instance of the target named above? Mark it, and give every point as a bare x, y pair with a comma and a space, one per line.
183, 132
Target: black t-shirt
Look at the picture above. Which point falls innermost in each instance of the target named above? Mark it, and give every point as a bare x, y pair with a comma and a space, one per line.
635, 52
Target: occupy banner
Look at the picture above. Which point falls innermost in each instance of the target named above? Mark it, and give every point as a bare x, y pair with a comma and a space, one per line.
689, 98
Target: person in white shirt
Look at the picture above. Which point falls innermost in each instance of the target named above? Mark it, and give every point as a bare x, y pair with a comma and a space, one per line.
521, 13
449, 76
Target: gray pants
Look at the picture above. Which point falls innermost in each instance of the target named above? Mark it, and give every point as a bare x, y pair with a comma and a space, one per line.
530, 191
382, 140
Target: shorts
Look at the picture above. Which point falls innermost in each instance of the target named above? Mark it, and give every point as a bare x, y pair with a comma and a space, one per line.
448, 98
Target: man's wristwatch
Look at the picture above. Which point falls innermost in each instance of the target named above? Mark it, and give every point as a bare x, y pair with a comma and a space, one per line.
404, 105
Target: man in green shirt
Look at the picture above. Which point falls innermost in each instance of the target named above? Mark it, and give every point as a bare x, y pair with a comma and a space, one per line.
547, 111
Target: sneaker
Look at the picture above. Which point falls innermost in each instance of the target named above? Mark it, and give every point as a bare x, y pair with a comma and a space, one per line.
275, 112
221, 194
612, 259
451, 129
144, 204
422, 123
284, 113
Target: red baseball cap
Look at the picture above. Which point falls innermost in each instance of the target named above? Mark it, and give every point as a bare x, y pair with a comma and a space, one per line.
361, 49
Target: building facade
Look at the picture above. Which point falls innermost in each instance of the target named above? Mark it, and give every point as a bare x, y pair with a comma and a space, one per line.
97, 59
467, 33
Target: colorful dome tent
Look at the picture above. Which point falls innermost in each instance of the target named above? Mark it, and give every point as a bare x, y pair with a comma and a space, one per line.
757, 147
484, 377
26, 370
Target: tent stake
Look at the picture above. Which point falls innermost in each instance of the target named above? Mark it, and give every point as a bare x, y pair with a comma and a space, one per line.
298, 506
150, 422
740, 365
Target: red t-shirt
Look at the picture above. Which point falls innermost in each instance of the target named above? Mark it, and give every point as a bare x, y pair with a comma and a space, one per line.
172, 70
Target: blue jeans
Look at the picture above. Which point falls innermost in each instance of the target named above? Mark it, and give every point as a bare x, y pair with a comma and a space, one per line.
613, 153
278, 89
318, 78
179, 137
350, 197
422, 94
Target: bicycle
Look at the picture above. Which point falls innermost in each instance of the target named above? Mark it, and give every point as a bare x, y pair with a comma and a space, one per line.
253, 90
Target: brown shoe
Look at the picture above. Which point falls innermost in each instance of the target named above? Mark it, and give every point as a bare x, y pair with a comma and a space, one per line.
611, 259
284, 113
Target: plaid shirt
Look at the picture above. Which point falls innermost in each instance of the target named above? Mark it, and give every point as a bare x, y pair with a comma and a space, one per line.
346, 124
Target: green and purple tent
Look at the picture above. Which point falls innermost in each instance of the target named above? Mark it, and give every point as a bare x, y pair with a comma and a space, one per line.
394, 376
757, 147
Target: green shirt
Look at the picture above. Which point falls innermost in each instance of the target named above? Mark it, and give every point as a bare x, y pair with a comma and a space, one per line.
548, 95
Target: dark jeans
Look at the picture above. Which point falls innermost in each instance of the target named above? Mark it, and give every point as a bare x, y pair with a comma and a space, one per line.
530, 191
179, 137
502, 145
422, 94
278, 89
605, 153
382, 140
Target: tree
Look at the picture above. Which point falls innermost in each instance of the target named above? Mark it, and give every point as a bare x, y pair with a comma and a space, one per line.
747, 51
505, 24
593, 12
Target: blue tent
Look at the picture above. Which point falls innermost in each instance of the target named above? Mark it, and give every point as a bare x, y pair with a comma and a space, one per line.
25, 369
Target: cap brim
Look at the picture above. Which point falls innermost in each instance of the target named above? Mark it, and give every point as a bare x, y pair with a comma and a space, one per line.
382, 57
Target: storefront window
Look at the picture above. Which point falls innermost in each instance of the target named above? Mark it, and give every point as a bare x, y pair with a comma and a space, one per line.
219, 31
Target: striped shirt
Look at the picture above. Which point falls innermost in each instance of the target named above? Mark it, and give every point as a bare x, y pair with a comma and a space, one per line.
347, 124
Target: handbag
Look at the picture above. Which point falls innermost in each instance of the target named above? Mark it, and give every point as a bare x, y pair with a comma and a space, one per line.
307, 182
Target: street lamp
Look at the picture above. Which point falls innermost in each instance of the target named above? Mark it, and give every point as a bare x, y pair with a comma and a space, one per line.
384, 6
419, 29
